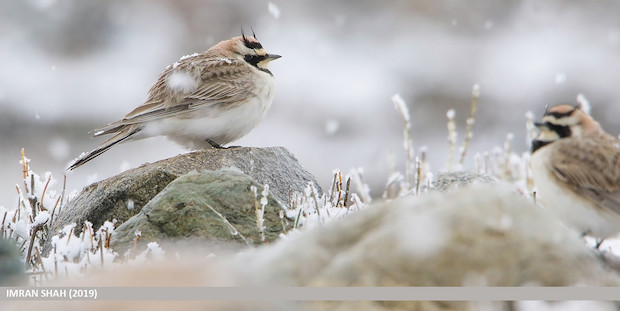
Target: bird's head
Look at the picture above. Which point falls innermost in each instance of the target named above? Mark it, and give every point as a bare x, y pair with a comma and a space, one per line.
248, 49
563, 121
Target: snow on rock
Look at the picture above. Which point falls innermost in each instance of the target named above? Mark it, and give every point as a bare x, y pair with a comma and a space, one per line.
130, 204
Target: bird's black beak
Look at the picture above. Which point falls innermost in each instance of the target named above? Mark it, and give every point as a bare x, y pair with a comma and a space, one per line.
271, 57
540, 125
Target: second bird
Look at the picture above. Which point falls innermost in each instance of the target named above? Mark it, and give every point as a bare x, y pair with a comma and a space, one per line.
202, 101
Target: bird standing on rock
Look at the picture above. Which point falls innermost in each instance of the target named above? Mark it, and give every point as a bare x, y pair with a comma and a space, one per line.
202, 101
576, 168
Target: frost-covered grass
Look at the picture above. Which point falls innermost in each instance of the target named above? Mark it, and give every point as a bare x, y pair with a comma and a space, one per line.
72, 256
69, 255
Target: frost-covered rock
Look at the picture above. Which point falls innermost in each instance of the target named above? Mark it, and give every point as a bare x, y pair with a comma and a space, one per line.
207, 210
478, 235
123, 196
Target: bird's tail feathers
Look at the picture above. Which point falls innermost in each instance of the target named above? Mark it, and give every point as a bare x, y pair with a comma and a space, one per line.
111, 142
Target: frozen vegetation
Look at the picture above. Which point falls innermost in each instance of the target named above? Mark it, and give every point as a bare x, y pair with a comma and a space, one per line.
41, 199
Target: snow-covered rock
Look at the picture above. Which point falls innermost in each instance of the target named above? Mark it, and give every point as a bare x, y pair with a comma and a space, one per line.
111, 198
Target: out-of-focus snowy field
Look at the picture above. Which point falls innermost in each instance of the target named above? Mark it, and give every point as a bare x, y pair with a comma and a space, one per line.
71, 66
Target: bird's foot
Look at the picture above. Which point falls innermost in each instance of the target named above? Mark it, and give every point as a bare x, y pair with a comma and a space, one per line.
214, 144
218, 146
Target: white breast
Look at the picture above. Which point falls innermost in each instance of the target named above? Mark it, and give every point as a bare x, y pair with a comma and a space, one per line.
572, 209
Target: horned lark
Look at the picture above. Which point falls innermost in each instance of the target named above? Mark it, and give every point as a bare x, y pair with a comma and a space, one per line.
202, 101
576, 168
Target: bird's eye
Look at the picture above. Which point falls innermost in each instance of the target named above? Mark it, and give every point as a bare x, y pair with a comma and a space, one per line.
253, 59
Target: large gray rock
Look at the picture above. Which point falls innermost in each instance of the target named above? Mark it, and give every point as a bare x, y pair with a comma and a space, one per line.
481, 235
472, 236
478, 235
206, 210
123, 196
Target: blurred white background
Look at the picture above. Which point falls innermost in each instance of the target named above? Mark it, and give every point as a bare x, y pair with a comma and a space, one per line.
69, 66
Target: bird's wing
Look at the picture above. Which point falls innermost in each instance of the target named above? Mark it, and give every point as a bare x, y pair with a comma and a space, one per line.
220, 85
599, 179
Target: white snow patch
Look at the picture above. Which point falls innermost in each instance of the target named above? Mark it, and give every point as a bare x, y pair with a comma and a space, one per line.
186, 57
476, 90
584, 102
130, 204
69, 246
181, 81
332, 126
41, 218
264, 194
450, 114
273, 10
156, 250
529, 115
59, 148
20, 228
401, 106
226, 60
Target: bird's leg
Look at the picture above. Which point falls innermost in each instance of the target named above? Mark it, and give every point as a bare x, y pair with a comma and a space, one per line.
214, 144
598, 242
